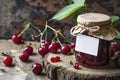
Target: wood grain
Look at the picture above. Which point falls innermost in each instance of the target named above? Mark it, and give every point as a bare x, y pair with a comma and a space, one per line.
20, 70
64, 70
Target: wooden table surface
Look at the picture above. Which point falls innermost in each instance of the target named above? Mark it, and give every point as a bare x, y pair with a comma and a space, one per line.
23, 70
20, 70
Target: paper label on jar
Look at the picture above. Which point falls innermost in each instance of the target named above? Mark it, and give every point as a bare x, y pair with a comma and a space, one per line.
87, 44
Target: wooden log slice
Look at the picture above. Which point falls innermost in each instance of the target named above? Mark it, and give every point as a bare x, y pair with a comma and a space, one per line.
63, 70
20, 70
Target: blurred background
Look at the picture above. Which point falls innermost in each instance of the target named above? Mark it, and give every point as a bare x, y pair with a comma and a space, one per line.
16, 13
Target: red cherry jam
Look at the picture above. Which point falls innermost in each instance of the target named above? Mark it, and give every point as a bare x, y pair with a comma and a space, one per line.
92, 61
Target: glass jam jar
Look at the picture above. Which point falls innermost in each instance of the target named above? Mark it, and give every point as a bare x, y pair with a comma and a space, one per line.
95, 25
92, 61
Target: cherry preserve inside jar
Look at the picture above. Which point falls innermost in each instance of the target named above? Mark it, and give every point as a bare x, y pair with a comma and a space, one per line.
93, 38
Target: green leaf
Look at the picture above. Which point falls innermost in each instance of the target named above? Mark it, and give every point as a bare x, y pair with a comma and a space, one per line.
114, 20
66, 11
79, 1
118, 35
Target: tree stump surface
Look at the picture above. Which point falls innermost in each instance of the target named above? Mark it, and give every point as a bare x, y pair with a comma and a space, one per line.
20, 70
63, 70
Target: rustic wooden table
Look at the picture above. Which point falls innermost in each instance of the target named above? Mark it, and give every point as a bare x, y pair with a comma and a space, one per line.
20, 70
62, 70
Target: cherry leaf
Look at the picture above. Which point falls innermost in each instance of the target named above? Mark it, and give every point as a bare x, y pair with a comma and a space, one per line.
114, 20
118, 35
79, 1
67, 11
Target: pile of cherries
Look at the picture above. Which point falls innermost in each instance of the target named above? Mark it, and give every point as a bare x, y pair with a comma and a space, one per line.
53, 47
45, 48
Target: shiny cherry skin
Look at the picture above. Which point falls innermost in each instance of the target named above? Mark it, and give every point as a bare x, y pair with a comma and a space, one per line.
76, 65
46, 43
24, 57
37, 68
52, 59
28, 49
8, 61
53, 47
56, 43
55, 59
65, 49
16, 39
43, 51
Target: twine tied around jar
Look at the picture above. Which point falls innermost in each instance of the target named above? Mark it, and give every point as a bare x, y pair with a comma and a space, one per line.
106, 32
80, 29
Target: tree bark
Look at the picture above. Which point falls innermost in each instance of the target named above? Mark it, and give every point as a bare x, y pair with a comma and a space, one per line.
63, 70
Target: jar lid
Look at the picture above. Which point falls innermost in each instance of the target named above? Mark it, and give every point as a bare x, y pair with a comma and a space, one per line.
93, 19
96, 24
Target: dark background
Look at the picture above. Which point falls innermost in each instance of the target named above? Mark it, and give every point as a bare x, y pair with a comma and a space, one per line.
15, 13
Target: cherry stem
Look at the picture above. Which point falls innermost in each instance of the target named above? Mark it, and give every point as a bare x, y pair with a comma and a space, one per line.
38, 35
42, 34
37, 30
59, 40
58, 32
25, 28
55, 37
46, 34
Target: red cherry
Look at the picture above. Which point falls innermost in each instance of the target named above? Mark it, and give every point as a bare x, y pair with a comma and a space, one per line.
53, 47
65, 49
16, 39
37, 68
28, 49
56, 43
52, 59
46, 43
76, 65
24, 57
8, 60
57, 58
43, 51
